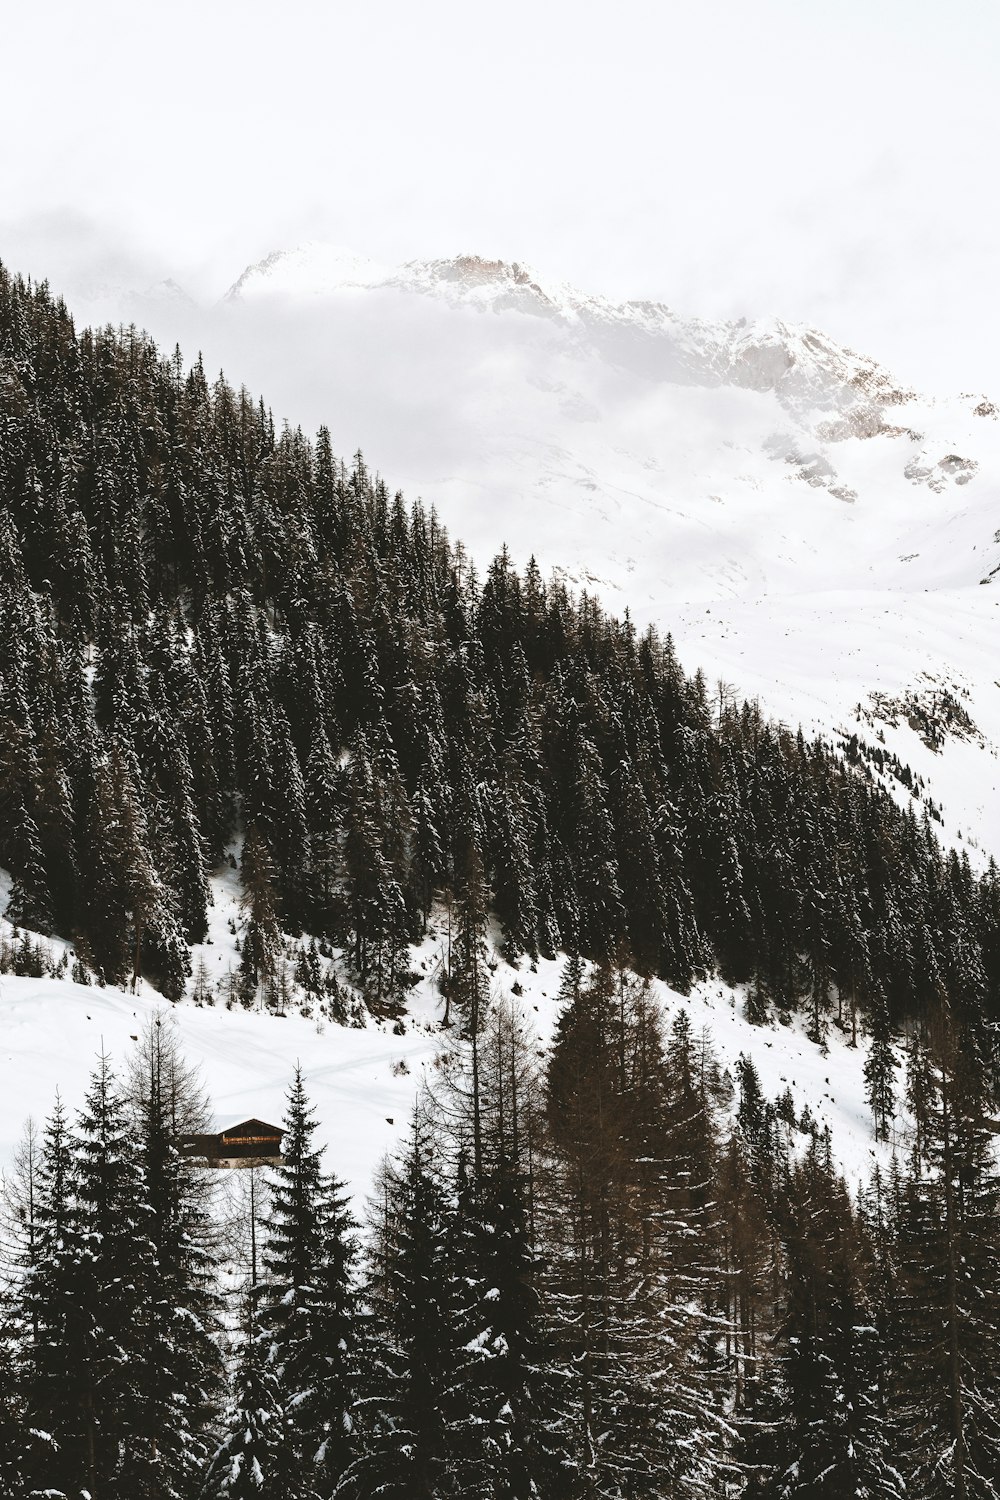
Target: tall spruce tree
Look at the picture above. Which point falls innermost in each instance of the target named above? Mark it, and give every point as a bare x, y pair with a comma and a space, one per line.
55, 1336
413, 1355
832, 1441
253, 1461
309, 1313
179, 1397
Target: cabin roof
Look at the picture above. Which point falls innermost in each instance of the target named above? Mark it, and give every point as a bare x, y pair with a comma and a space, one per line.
237, 1124
252, 1127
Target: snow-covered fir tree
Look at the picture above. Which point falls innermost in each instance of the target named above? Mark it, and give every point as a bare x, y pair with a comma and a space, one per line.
308, 1310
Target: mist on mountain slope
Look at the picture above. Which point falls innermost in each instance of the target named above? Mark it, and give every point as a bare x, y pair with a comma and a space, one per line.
811, 530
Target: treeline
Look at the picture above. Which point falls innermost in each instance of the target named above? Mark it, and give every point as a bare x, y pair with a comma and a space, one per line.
620, 1274
211, 629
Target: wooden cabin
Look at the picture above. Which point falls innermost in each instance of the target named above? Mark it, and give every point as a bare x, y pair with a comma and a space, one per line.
237, 1143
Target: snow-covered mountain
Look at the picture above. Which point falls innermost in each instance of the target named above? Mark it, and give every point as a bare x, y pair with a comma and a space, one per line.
800, 365
810, 529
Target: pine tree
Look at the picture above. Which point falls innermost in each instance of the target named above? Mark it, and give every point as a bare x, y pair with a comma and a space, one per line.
748, 1257
115, 1274
309, 1313
493, 1421
376, 905
178, 1399
260, 931
90, 1361
55, 1332
879, 1069
490, 1093
414, 1356
686, 1250
253, 1460
586, 1234
324, 815
832, 1440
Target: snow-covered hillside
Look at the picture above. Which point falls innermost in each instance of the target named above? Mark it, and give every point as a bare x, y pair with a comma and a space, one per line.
812, 532
363, 1079
810, 529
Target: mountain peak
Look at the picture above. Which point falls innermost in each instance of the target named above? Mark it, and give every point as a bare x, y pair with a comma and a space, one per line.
805, 368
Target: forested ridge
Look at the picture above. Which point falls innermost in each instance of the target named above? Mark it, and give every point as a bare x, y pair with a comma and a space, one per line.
208, 626
597, 1277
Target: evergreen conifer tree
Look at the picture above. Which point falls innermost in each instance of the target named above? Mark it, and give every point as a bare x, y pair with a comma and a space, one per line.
253, 1461
414, 1357
179, 1396
309, 1315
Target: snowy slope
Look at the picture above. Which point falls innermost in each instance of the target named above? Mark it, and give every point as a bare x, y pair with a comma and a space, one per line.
810, 529
363, 1079
52, 1031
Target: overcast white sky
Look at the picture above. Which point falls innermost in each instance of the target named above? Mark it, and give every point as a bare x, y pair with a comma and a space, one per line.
832, 162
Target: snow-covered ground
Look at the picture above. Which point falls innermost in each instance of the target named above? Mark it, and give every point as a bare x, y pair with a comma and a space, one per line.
363, 1079
814, 659
52, 1032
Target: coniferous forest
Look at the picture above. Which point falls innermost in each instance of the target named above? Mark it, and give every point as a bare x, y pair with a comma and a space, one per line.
613, 1271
